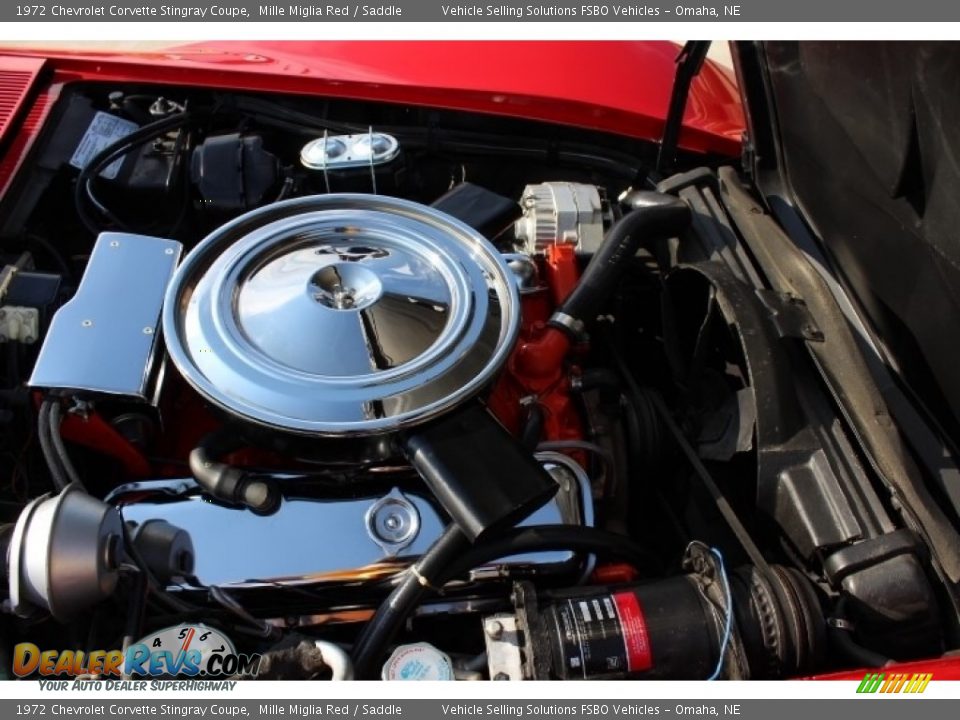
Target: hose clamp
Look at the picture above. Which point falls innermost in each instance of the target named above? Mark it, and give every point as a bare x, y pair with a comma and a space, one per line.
571, 325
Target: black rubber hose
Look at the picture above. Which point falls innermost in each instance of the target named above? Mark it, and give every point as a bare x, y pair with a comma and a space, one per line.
597, 379
842, 641
546, 538
84, 188
54, 254
452, 556
60, 449
57, 473
225, 482
391, 615
845, 646
532, 428
656, 216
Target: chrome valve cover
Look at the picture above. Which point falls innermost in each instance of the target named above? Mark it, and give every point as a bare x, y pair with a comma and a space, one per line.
341, 315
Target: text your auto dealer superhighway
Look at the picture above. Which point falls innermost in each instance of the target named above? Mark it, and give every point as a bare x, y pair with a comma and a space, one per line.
146, 11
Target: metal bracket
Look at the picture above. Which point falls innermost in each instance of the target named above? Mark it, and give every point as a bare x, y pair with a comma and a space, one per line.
501, 633
790, 316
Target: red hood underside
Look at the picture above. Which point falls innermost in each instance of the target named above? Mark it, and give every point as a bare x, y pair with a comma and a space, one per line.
620, 87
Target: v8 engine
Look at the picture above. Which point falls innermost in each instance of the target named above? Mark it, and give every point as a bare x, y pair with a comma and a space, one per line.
366, 387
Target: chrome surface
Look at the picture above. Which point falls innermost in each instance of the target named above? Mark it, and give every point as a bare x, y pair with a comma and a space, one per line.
104, 340
341, 315
63, 554
313, 540
337, 152
525, 272
393, 522
337, 659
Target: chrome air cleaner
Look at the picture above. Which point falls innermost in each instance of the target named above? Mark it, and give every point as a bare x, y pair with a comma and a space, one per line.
340, 315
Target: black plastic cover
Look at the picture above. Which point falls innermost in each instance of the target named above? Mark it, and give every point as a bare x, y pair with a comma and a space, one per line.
480, 474
34, 289
483, 210
233, 172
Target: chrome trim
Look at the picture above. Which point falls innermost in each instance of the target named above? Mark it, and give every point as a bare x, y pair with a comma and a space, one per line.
341, 315
340, 152
104, 340
396, 507
327, 540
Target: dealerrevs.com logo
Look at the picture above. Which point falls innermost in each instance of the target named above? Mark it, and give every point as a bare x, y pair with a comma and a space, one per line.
177, 651
911, 683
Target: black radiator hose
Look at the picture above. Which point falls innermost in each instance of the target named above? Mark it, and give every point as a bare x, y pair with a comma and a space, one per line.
654, 216
225, 482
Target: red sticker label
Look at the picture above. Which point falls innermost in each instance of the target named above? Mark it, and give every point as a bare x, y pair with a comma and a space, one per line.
634, 628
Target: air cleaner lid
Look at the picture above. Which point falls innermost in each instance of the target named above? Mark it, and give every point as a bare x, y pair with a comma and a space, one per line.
341, 314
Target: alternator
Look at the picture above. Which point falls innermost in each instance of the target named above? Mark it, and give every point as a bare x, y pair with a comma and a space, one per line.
560, 213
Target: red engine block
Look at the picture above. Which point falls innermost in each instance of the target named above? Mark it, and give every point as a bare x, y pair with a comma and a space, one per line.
538, 371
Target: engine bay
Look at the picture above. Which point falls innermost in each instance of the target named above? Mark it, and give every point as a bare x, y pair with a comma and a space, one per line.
391, 392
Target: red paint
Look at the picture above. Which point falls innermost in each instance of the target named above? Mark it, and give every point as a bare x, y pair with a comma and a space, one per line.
560, 265
21, 142
940, 668
539, 357
614, 574
192, 421
618, 87
17, 76
95, 433
634, 628
547, 385
538, 371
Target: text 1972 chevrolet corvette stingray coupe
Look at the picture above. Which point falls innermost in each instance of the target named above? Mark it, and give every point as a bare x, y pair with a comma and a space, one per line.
504, 360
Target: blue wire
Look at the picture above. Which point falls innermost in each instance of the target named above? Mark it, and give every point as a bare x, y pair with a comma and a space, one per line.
728, 624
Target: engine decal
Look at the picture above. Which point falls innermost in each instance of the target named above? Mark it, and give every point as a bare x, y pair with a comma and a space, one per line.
634, 628
604, 635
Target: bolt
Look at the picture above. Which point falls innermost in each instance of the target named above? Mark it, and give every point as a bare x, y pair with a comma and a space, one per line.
87, 323
148, 330
495, 630
501, 676
114, 243
168, 251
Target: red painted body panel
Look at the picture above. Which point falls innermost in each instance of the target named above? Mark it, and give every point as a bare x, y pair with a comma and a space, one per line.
13, 153
620, 87
17, 76
941, 668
